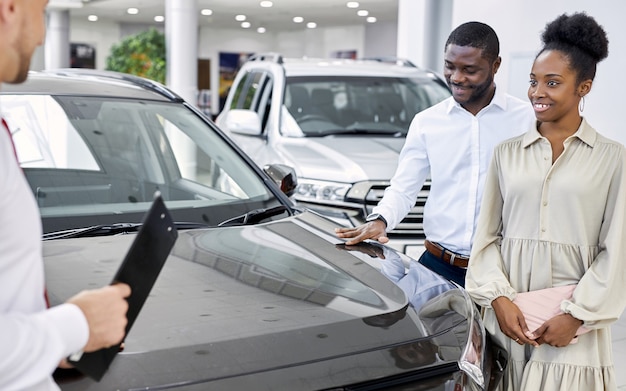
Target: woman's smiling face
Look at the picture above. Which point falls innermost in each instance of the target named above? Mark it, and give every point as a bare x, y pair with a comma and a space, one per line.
554, 91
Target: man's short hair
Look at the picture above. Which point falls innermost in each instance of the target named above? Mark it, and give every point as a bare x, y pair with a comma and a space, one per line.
477, 35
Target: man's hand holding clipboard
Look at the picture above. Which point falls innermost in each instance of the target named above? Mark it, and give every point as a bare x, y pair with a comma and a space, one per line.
139, 270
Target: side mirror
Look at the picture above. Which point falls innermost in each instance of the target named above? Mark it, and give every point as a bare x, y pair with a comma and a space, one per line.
245, 122
284, 176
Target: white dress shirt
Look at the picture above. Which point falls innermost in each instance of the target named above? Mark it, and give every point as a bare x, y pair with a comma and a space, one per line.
33, 339
454, 148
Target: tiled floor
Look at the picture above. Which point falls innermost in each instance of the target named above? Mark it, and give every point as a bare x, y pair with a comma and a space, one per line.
619, 351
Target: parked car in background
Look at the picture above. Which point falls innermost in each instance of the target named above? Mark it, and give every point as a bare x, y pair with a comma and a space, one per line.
257, 292
339, 123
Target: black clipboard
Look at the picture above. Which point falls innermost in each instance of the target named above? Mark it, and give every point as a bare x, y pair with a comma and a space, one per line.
141, 267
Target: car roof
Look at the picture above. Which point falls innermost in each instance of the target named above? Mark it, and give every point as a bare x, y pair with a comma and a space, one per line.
352, 67
83, 82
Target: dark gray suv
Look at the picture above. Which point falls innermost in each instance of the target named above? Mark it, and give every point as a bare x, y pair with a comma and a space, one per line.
257, 293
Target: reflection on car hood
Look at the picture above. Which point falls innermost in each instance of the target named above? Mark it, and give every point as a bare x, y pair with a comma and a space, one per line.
343, 158
272, 306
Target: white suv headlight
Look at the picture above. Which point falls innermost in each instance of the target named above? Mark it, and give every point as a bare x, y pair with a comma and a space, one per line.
311, 190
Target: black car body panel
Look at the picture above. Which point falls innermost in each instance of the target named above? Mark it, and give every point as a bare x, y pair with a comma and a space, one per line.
268, 302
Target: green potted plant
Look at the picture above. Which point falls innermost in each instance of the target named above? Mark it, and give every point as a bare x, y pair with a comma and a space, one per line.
142, 54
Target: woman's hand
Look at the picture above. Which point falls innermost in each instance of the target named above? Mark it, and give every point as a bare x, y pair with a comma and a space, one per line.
512, 322
558, 331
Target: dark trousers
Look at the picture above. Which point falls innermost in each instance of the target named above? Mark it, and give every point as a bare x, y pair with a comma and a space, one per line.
443, 268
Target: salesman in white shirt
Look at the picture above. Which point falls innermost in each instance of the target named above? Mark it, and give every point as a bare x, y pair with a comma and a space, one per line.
452, 142
35, 339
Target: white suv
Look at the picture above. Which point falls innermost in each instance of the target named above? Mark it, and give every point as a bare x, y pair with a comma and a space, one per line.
339, 123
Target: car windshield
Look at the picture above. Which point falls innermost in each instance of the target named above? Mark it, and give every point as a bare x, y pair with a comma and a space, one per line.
359, 105
96, 160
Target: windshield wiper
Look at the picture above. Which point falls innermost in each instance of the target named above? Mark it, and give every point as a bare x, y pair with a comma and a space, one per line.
109, 230
254, 216
358, 131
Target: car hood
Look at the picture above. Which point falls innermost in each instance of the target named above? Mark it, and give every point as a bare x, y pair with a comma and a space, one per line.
343, 158
272, 306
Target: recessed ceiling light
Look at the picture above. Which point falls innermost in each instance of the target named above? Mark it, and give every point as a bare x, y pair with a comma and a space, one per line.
245, 25
352, 4
311, 25
298, 19
362, 12
159, 18
92, 18
371, 19
240, 18
132, 11
266, 4
206, 12
260, 30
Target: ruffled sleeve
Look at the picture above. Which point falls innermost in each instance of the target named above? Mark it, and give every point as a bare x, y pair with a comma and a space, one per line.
599, 298
486, 277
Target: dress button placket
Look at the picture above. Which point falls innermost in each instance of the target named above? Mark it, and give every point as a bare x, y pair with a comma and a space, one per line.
543, 218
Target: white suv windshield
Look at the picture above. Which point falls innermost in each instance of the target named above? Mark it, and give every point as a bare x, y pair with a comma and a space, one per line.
360, 105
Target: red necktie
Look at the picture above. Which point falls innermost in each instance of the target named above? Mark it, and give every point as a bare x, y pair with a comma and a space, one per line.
6, 126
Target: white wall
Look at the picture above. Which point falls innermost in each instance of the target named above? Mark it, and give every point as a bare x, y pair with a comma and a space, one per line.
519, 25
102, 35
380, 40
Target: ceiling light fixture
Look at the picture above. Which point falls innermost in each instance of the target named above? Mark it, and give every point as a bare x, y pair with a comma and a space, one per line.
159, 18
371, 19
206, 12
352, 4
132, 11
266, 4
240, 18
311, 25
298, 19
260, 30
362, 12
92, 18
245, 25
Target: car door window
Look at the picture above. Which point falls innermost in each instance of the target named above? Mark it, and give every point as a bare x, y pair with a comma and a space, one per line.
254, 92
245, 96
265, 99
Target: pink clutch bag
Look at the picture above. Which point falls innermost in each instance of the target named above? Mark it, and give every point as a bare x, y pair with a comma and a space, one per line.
540, 305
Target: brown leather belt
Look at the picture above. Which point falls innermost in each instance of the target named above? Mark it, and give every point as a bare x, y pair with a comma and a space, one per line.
446, 255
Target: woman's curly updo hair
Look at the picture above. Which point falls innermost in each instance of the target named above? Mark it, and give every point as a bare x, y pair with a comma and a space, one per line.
581, 39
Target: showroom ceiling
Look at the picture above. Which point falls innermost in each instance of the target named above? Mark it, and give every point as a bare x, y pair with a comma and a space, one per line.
278, 17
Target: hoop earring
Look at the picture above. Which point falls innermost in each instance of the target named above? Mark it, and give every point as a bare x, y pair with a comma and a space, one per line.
581, 104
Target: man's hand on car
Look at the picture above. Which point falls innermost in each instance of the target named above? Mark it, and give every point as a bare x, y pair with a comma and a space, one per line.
370, 230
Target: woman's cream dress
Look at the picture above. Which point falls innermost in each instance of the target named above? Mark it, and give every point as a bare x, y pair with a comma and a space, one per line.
542, 225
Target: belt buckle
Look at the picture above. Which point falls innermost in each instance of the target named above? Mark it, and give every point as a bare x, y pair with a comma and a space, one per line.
452, 256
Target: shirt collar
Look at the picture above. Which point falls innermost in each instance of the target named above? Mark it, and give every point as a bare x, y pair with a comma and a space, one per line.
499, 100
585, 133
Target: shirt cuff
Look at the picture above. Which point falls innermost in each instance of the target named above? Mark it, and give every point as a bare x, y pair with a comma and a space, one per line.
71, 325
